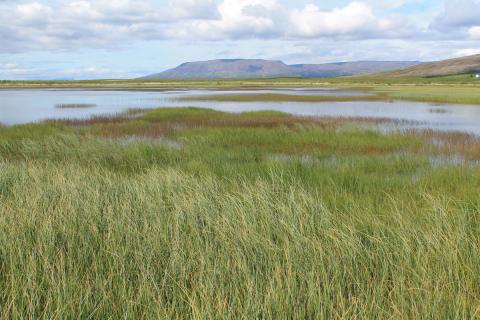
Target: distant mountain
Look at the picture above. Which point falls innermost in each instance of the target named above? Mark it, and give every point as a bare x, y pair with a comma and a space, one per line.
256, 68
464, 65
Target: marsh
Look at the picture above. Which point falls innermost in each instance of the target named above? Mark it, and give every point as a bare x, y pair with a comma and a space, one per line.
27, 105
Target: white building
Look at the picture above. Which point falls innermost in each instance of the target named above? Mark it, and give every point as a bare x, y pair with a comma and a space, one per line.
477, 76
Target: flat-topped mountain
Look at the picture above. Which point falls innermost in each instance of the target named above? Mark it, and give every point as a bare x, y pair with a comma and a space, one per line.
464, 65
257, 68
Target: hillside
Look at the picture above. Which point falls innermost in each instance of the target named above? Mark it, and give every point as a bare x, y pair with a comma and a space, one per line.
464, 65
256, 68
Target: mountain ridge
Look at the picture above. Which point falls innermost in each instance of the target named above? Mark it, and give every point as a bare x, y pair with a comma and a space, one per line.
260, 68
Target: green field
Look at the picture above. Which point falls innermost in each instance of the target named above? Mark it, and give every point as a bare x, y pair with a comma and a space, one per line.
194, 213
439, 94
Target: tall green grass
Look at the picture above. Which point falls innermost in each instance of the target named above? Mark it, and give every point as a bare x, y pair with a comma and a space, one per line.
267, 220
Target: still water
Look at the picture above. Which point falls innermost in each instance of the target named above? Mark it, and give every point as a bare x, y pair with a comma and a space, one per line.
24, 106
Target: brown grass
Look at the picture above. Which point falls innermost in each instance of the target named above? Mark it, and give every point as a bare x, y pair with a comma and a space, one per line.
134, 124
447, 67
448, 143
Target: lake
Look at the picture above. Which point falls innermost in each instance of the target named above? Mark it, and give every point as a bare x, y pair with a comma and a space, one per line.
24, 106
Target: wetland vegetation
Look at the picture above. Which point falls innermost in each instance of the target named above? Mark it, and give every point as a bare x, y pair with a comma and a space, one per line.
463, 89
190, 212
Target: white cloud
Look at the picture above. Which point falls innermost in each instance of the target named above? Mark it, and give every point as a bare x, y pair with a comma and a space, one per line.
194, 9
9, 69
102, 23
391, 4
8, 66
311, 21
237, 19
77, 24
458, 14
474, 33
90, 72
467, 52
356, 20
32, 14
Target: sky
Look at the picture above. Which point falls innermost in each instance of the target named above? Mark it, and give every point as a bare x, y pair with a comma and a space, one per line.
99, 39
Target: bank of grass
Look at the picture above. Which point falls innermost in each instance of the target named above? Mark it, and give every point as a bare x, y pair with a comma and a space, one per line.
438, 94
461, 88
379, 92
256, 215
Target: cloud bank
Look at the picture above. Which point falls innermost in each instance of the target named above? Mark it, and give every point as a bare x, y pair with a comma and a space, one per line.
41, 25
98, 38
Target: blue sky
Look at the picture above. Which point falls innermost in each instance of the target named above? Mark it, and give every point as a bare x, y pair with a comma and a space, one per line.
90, 39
